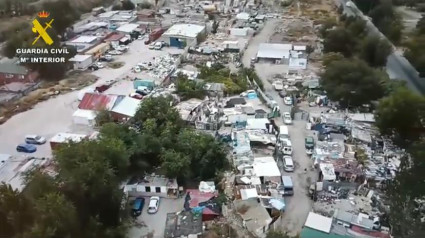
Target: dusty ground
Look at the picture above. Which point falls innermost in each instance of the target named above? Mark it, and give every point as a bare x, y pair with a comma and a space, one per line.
299, 205
153, 225
55, 115
74, 81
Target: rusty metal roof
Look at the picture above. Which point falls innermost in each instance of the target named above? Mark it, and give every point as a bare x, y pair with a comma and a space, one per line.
96, 102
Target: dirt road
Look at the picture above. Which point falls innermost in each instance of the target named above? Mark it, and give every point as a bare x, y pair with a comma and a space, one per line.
299, 205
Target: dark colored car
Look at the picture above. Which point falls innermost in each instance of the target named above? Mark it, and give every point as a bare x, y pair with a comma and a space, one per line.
142, 92
104, 59
137, 207
282, 94
102, 88
26, 148
93, 67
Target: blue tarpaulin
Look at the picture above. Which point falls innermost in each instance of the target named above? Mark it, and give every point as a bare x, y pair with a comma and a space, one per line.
150, 84
278, 204
252, 95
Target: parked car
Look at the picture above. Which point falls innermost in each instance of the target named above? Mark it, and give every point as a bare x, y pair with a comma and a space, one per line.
136, 96
122, 48
288, 163
152, 46
35, 139
159, 45
142, 92
287, 100
26, 148
278, 85
153, 205
287, 118
93, 67
102, 88
115, 52
100, 65
282, 93
136, 69
309, 145
138, 207
246, 93
106, 58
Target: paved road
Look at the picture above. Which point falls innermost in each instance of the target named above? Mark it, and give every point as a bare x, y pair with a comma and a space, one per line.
299, 205
397, 67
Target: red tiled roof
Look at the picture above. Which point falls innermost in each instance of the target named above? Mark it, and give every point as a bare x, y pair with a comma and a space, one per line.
94, 101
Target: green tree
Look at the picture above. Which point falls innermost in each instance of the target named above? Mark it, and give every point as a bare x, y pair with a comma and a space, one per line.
127, 5
14, 42
16, 213
401, 115
352, 82
331, 57
340, 40
124, 5
406, 193
420, 26
91, 172
387, 21
215, 26
160, 109
63, 13
356, 26
326, 26
415, 53
103, 117
175, 164
56, 217
277, 234
208, 156
188, 89
145, 5
375, 51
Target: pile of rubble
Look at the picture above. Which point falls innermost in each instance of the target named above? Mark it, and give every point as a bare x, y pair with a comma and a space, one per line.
162, 66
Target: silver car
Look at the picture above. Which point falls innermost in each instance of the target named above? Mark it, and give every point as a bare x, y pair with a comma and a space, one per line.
35, 139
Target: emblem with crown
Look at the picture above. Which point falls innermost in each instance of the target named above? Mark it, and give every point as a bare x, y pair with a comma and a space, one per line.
43, 14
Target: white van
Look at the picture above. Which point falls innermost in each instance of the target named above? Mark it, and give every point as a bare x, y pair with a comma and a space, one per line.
283, 132
288, 163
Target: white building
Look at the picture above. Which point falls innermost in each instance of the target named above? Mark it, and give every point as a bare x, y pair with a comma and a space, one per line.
278, 53
127, 28
81, 61
83, 42
126, 109
239, 31
84, 117
266, 169
152, 186
181, 35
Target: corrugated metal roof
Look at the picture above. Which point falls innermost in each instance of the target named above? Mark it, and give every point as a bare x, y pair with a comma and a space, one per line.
274, 51
185, 30
114, 37
93, 101
128, 106
10, 68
